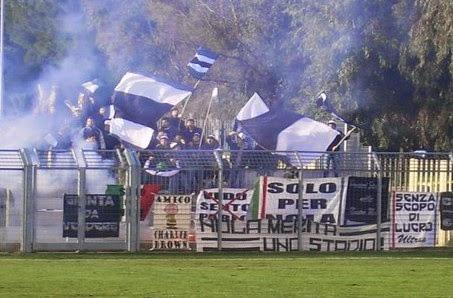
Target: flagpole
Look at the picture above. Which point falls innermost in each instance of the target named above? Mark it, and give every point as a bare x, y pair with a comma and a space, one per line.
215, 93
2, 7
187, 100
344, 138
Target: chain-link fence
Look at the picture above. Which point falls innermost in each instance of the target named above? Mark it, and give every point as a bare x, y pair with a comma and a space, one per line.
223, 200
13, 179
68, 200
421, 183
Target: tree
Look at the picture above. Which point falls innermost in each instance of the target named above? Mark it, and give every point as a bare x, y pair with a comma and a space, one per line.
247, 34
31, 42
427, 62
387, 65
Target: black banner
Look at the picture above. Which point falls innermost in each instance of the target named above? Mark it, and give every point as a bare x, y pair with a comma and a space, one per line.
102, 215
446, 211
361, 201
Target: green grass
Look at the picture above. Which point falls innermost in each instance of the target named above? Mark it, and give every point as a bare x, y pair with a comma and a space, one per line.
396, 274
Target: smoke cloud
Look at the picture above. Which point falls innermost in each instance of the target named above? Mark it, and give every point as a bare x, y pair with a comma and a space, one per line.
56, 85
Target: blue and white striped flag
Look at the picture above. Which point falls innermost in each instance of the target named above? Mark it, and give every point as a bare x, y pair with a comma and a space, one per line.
282, 130
141, 101
200, 64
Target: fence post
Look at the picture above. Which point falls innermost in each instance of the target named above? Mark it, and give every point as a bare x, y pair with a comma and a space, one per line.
450, 173
218, 157
81, 194
300, 198
378, 201
28, 230
132, 201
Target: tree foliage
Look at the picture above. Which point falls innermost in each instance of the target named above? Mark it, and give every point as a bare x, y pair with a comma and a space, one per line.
387, 65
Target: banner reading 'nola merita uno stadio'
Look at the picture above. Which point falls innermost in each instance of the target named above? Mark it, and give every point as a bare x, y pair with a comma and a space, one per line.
265, 218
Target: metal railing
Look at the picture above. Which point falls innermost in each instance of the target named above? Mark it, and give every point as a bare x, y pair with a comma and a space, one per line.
47, 177
33, 184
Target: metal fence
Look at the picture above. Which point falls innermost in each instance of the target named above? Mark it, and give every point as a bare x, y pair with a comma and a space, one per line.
209, 200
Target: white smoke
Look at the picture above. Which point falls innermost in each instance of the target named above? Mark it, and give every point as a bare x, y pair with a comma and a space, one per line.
56, 85
51, 186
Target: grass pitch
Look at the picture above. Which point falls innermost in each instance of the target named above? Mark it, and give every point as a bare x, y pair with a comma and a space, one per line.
394, 274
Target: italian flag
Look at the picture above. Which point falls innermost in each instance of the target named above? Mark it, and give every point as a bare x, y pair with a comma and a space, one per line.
258, 202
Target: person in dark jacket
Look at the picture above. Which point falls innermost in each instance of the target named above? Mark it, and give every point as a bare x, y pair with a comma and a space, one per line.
164, 143
179, 140
190, 130
175, 119
92, 136
166, 128
332, 159
111, 141
238, 143
194, 144
211, 143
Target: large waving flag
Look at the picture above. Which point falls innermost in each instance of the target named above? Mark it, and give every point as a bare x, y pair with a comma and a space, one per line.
139, 103
323, 102
200, 64
90, 86
283, 130
131, 132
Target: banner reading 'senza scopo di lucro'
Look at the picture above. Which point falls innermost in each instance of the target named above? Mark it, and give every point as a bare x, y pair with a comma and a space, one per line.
414, 219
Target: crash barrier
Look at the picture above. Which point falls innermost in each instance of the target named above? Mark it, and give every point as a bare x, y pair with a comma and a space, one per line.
223, 200
260, 195
68, 200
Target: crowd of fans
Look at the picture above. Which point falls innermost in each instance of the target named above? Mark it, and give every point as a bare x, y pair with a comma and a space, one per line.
174, 133
163, 164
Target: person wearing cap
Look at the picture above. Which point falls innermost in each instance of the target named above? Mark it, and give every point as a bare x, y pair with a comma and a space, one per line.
181, 182
333, 159
238, 142
211, 143
155, 139
164, 143
161, 134
189, 130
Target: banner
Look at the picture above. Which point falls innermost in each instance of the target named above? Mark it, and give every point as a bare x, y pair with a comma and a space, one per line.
361, 201
446, 211
171, 222
354, 238
414, 219
278, 235
266, 218
279, 199
235, 203
102, 216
